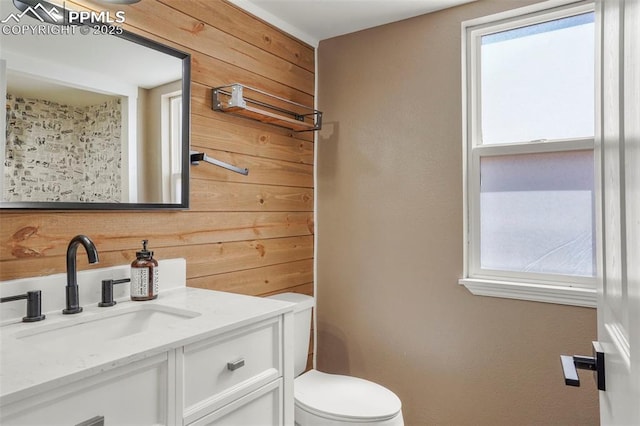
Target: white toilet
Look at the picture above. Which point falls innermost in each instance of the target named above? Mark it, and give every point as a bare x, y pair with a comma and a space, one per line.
323, 399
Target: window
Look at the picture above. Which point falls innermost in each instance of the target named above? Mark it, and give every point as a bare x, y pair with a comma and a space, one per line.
171, 107
529, 94
175, 120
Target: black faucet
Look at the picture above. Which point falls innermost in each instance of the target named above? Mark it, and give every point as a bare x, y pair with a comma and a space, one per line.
73, 300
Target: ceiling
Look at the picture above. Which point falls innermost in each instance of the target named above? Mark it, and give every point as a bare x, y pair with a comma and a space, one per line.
315, 20
27, 86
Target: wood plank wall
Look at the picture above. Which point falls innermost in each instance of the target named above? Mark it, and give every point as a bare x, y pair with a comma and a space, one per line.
250, 235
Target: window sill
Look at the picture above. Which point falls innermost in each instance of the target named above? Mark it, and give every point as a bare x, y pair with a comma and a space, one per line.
563, 295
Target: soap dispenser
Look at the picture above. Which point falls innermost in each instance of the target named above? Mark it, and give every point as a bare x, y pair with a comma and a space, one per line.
144, 275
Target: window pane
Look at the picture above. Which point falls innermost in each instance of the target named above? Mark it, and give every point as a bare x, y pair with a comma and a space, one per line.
537, 82
536, 213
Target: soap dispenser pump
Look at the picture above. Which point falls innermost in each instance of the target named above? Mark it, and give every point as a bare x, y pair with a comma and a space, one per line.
144, 275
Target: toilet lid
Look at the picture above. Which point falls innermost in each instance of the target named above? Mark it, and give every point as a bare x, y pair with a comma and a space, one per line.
342, 397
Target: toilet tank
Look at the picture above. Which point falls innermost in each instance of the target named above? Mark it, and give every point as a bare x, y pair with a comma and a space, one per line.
301, 327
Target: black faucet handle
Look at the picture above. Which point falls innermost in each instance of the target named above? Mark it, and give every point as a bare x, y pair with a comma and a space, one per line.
107, 291
34, 305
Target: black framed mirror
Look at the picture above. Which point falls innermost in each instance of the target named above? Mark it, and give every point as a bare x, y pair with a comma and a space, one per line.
97, 118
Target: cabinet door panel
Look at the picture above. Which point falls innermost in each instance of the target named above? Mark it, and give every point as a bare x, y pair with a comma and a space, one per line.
133, 395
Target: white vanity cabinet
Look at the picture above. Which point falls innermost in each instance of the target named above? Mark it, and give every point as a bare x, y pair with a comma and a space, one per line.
136, 394
236, 372
190, 357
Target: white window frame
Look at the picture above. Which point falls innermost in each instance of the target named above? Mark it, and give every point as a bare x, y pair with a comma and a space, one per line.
551, 288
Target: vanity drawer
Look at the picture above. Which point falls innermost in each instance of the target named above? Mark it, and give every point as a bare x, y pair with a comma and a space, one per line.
219, 370
260, 407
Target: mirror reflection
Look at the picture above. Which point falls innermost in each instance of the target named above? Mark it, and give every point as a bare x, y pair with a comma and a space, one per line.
92, 120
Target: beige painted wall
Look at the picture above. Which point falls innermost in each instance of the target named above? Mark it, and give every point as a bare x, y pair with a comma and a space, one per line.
390, 243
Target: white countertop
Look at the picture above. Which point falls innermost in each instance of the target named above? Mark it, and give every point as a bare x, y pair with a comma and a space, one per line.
26, 368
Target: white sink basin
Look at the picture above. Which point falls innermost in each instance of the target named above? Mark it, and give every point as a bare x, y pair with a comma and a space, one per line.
100, 327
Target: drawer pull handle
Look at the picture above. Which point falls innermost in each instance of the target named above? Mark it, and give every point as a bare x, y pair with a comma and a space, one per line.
232, 366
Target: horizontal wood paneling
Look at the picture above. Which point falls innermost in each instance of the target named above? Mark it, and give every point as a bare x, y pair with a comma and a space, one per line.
241, 25
213, 72
243, 255
46, 235
261, 170
250, 235
243, 197
233, 137
268, 279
